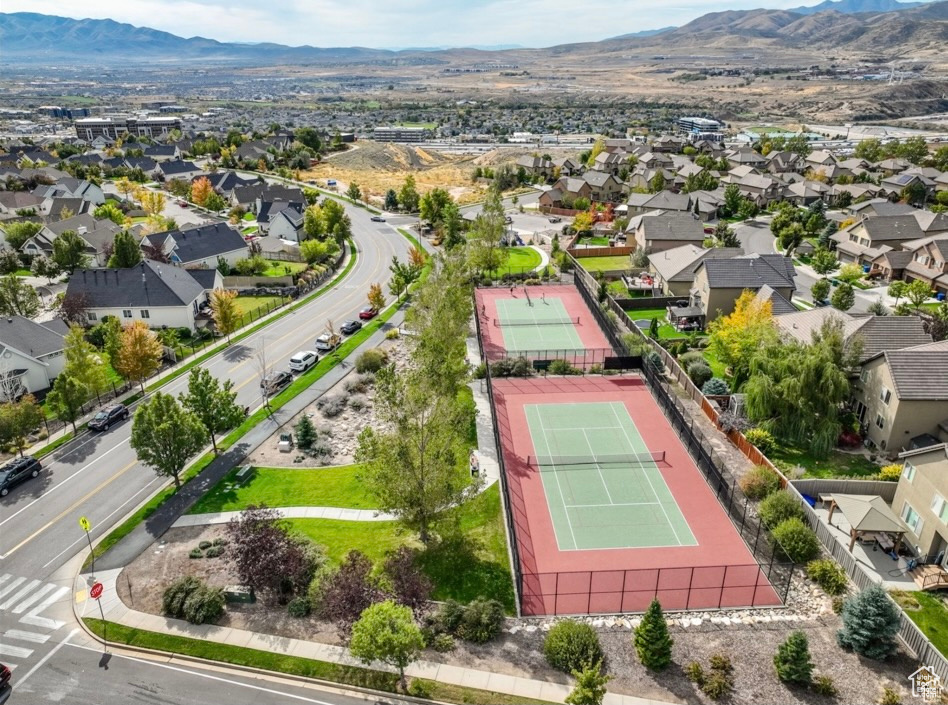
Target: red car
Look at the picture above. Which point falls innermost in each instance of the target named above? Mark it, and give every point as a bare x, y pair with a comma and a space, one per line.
4, 676
368, 313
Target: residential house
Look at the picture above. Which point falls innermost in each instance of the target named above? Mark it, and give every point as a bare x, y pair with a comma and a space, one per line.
148, 166
603, 187
805, 193
200, 248
785, 163
879, 206
820, 158
13, 201
72, 188
903, 394
287, 224
674, 269
184, 170
864, 241
568, 167
31, 355
266, 210
162, 152
932, 224
941, 183
159, 294
254, 151
719, 282
668, 201
225, 182
895, 184
248, 196
663, 232
641, 177
921, 500
779, 306
893, 166
56, 208
536, 166
745, 156
758, 188
928, 262
610, 162
97, 234
655, 160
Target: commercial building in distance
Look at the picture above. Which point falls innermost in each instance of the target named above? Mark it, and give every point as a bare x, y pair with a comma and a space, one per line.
114, 127
401, 134
702, 128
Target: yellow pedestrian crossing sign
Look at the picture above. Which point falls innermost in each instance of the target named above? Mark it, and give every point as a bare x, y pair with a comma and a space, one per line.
84, 523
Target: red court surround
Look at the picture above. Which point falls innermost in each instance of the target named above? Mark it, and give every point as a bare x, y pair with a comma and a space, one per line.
719, 572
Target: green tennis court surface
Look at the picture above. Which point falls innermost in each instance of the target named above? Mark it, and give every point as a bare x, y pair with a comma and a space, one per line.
543, 326
602, 487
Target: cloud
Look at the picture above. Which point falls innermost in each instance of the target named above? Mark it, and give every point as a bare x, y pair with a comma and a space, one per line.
375, 23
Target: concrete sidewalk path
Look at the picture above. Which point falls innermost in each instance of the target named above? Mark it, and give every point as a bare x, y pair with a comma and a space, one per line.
116, 611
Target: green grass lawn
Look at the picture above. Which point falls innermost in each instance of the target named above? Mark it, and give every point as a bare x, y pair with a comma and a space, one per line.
717, 367
23, 273
278, 268
249, 217
612, 263
252, 307
929, 614
519, 259
470, 561
249, 230
836, 464
288, 487
617, 290
594, 241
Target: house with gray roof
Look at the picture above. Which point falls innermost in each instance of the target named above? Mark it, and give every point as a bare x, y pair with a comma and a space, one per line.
719, 282
97, 234
603, 186
865, 240
179, 169
669, 202
536, 166
903, 394
287, 224
779, 306
31, 355
200, 248
668, 230
159, 294
674, 269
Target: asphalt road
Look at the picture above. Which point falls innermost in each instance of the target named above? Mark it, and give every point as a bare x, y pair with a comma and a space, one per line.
98, 475
78, 674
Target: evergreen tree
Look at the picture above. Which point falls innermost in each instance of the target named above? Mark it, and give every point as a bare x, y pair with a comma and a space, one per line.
792, 659
590, 686
126, 251
652, 641
391, 200
870, 623
305, 433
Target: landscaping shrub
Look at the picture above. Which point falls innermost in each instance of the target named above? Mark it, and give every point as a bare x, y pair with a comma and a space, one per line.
890, 696
220, 542
654, 360
175, 595
792, 660
482, 621
824, 685
694, 672
359, 384
700, 373
196, 553
689, 358
838, 604
305, 433
214, 552
890, 473
870, 623
420, 688
715, 387
562, 367
829, 576
204, 606
720, 681
392, 334
443, 643
449, 617
372, 360
407, 584
779, 507
590, 688
570, 646
204, 545
761, 438
358, 402
480, 372
652, 642
759, 483
517, 367
299, 607
797, 540
332, 406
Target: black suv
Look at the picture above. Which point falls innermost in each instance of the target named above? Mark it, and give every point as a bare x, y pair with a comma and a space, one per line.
350, 327
16, 471
276, 382
106, 418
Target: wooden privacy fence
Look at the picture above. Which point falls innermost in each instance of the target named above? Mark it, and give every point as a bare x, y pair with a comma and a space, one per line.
580, 252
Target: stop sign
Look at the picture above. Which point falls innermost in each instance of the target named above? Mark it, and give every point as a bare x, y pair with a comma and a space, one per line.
96, 591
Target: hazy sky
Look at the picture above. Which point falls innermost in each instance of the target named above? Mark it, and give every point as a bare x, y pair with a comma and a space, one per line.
396, 23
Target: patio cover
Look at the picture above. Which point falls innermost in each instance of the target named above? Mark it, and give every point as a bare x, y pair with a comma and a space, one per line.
866, 513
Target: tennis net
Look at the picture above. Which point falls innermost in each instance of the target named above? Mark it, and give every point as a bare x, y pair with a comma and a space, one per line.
553, 462
506, 323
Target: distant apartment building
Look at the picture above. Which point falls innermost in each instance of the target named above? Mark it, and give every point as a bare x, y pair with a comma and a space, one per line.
114, 127
56, 111
699, 125
401, 134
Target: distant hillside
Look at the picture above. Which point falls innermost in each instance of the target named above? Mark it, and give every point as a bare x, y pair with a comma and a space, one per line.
644, 33
848, 7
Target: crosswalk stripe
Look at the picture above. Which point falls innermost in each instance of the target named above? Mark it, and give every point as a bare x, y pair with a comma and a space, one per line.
16, 651
3, 578
12, 586
20, 608
33, 619
20, 594
20, 635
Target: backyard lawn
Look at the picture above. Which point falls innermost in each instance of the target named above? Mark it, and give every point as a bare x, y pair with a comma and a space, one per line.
928, 612
717, 367
605, 264
836, 464
520, 259
288, 487
594, 241
252, 307
278, 268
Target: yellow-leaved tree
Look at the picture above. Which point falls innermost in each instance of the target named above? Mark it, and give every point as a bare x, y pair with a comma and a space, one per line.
139, 353
735, 338
224, 311
201, 190
153, 202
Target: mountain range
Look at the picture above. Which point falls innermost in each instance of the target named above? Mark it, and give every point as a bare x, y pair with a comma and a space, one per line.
32, 38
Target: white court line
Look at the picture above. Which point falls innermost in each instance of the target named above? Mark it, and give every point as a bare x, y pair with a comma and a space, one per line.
603, 506
557, 476
586, 428
648, 479
46, 658
598, 467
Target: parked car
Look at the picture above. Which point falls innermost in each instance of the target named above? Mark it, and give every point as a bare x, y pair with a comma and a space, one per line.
275, 382
303, 360
350, 327
183, 204
555, 219
368, 313
377, 219
5, 675
327, 343
107, 418
16, 471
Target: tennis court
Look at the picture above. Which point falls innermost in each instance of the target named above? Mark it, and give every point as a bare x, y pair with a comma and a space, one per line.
602, 483
536, 323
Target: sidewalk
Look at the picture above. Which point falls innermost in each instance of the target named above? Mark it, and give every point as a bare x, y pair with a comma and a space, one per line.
116, 611
288, 513
168, 513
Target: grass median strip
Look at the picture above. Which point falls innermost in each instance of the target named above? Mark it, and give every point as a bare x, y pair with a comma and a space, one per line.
292, 665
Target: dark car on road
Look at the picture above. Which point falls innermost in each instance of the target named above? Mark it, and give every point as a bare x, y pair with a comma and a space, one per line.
278, 381
16, 471
368, 313
350, 327
377, 219
107, 418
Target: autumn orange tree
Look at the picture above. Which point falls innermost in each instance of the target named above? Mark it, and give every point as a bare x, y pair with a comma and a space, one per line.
416, 258
376, 297
201, 190
139, 353
735, 338
224, 310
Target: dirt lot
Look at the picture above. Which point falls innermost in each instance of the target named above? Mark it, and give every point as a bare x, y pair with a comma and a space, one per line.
519, 650
337, 435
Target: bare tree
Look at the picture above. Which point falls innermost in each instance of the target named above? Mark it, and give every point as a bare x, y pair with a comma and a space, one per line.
264, 369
